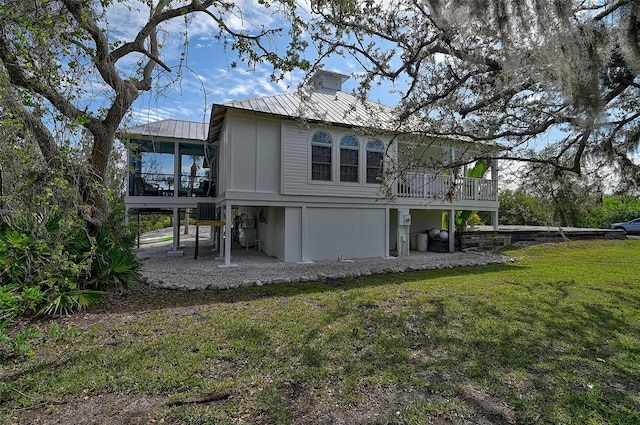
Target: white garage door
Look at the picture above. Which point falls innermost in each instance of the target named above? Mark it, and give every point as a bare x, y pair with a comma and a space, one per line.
345, 232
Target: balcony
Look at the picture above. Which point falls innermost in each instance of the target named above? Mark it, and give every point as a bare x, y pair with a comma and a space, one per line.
157, 184
441, 188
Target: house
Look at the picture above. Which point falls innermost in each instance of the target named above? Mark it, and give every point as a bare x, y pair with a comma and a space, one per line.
305, 176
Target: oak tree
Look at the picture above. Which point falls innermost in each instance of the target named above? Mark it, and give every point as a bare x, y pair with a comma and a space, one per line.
555, 82
56, 54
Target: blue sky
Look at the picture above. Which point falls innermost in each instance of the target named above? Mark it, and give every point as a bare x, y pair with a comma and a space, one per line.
208, 75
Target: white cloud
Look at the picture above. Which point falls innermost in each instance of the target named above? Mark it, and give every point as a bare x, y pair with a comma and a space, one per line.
207, 74
245, 84
143, 116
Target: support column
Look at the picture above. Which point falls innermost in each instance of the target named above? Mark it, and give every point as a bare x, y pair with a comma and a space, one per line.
404, 226
452, 231
177, 160
139, 224
175, 246
228, 230
304, 238
221, 230
179, 245
494, 177
387, 225
212, 237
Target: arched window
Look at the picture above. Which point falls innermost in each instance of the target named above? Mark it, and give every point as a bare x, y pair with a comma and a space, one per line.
374, 160
321, 157
349, 152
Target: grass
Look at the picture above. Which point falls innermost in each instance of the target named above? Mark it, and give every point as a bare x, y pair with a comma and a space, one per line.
552, 338
162, 239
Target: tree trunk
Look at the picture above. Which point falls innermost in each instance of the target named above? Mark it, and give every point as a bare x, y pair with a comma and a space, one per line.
104, 134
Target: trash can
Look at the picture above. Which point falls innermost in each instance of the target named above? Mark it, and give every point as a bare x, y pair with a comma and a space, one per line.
422, 241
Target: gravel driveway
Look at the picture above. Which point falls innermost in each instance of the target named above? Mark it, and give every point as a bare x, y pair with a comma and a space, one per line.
256, 268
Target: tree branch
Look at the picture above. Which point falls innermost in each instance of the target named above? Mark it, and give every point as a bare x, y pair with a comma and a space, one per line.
33, 124
20, 78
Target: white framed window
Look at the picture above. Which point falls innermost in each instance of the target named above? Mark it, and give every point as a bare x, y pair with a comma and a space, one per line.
349, 154
375, 150
321, 157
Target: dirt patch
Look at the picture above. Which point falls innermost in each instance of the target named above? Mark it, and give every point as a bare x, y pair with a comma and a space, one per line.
112, 409
378, 407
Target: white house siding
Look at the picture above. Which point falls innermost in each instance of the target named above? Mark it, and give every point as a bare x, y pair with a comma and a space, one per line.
254, 154
344, 232
281, 233
296, 179
266, 230
223, 167
272, 233
423, 220
293, 234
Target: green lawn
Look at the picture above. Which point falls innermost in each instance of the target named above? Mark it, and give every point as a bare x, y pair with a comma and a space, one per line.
552, 338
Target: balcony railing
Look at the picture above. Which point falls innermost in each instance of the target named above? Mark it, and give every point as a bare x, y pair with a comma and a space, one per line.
446, 188
157, 184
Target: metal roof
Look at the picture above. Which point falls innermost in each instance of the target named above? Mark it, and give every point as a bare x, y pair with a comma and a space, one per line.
320, 105
169, 129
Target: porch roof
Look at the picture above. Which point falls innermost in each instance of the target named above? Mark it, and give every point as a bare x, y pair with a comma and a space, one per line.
168, 129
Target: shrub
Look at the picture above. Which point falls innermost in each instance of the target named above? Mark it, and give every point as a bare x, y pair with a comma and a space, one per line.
50, 260
54, 266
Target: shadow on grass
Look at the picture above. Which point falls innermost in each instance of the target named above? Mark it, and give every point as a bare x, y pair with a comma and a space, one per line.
144, 297
543, 352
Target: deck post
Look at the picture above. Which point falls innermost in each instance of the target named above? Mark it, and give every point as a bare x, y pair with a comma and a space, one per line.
452, 231
494, 178
221, 232
387, 229
178, 233
175, 245
227, 245
303, 236
476, 197
176, 230
139, 224
404, 228
228, 231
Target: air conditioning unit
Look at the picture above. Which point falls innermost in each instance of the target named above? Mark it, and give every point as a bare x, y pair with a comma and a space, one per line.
207, 211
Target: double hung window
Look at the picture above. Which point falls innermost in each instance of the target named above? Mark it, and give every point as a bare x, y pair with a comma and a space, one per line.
375, 149
321, 157
349, 152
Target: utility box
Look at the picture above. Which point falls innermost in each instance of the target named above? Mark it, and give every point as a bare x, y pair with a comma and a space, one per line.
404, 219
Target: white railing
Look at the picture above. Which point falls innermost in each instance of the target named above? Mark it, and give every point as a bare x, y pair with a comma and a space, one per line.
445, 188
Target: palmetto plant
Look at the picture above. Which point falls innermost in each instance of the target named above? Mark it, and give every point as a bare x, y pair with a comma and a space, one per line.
57, 268
68, 302
115, 264
53, 266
